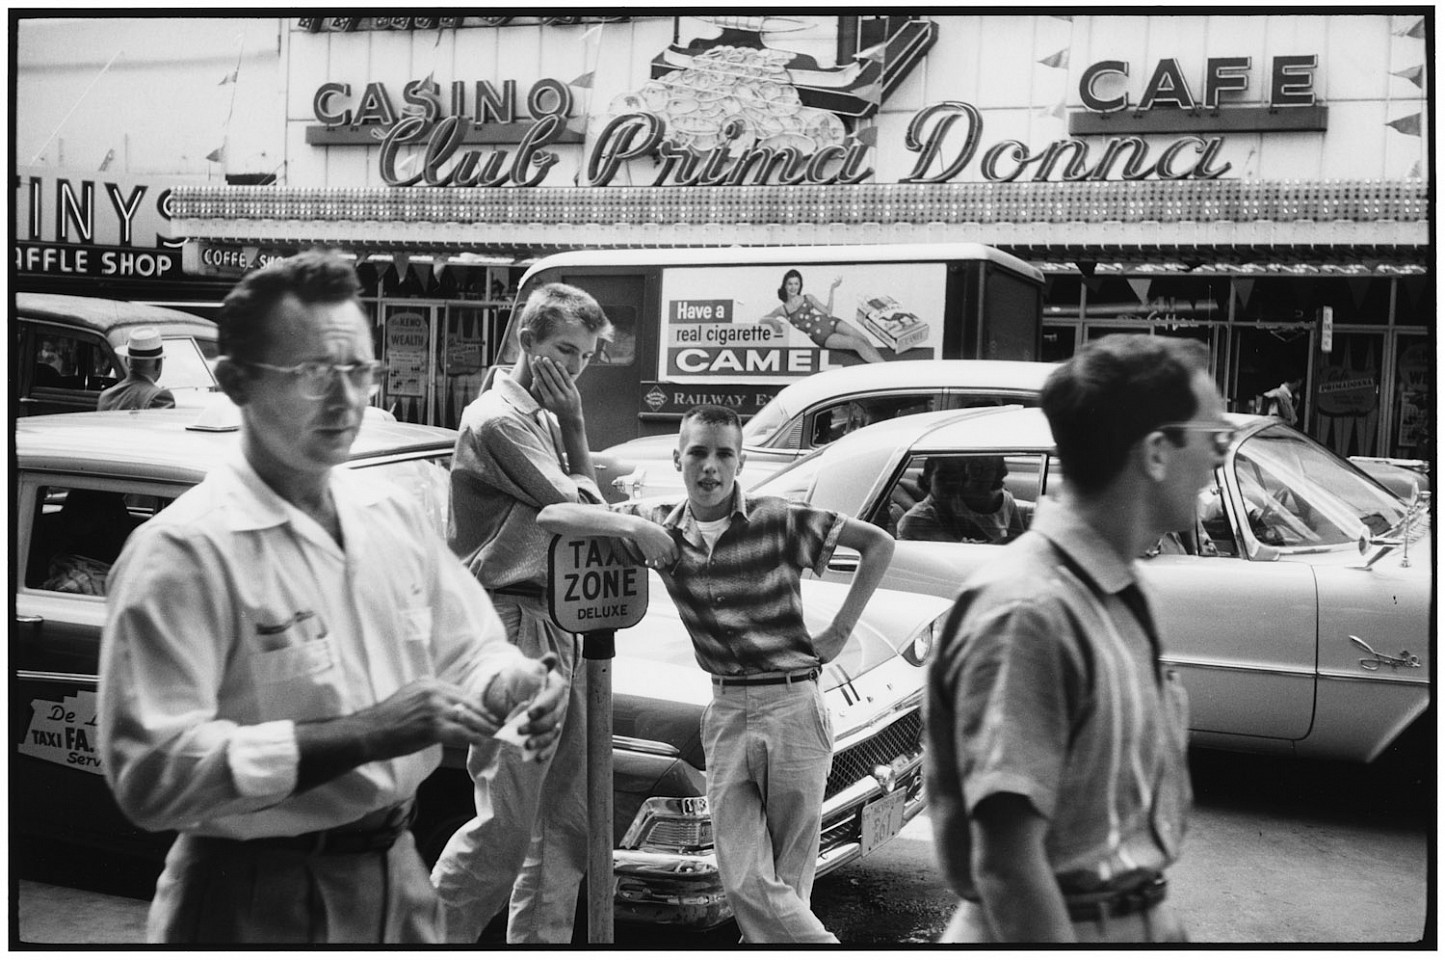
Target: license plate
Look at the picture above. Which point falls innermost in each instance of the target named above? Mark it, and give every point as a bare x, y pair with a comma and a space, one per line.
882, 819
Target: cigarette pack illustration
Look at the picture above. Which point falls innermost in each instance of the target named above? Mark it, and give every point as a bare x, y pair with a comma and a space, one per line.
890, 323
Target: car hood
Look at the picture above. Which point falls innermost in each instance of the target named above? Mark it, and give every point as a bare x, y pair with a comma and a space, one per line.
659, 690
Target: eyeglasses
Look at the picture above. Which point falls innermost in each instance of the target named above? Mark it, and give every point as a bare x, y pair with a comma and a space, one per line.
1221, 436
315, 378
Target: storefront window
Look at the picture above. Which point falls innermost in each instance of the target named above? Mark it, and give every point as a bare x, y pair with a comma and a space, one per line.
1063, 297
463, 350
406, 347
1414, 397
1263, 358
1060, 342
1346, 394
1364, 299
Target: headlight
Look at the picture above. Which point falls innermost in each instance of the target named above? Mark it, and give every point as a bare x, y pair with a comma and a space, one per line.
921, 645
671, 824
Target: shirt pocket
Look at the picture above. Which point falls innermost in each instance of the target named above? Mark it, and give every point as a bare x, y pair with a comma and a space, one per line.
299, 682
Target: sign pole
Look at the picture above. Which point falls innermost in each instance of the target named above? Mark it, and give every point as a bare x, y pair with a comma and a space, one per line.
594, 588
598, 649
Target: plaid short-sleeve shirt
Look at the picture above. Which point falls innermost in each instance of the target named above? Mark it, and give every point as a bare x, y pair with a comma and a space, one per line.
740, 601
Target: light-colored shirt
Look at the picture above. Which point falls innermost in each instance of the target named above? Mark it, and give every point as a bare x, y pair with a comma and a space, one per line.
1048, 686
740, 599
232, 615
508, 464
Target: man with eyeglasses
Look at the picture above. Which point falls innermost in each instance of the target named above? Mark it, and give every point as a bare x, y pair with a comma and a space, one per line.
523, 445
1056, 768
289, 646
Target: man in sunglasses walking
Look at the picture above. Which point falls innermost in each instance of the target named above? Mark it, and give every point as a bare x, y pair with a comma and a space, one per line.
289, 646
1055, 736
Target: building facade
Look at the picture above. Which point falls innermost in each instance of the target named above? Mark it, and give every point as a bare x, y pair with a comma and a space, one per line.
1259, 182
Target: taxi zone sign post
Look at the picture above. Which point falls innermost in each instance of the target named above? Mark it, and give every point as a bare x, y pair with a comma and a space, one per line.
594, 588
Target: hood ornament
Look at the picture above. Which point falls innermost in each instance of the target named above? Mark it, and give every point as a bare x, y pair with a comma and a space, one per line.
1375, 660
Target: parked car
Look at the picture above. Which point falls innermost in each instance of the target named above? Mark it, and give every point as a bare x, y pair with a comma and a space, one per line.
1299, 622
68, 349
96, 476
817, 410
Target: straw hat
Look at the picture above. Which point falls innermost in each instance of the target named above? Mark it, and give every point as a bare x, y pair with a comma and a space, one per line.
145, 344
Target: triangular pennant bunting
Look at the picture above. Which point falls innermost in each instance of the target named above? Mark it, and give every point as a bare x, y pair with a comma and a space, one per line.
1243, 286
868, 136
1140, 286
1415, 75
231, 77
1059, 59
584, 81
1409, 126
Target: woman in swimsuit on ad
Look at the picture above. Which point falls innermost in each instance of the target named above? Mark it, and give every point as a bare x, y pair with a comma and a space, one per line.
804, 311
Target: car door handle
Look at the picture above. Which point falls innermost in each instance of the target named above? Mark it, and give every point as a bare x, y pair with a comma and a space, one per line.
844, 562
29, 619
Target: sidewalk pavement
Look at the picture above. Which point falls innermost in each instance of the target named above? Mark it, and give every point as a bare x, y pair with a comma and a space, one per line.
51, 914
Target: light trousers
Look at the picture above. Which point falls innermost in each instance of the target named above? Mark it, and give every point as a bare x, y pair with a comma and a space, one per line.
528, 842
229, 895
768, 751
1158, 924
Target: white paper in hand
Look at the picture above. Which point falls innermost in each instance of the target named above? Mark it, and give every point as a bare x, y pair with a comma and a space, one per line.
510, 732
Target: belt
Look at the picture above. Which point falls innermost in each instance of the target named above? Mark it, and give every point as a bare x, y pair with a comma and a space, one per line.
391, 822
1116, 903
528, 590
765, 681
1119, 903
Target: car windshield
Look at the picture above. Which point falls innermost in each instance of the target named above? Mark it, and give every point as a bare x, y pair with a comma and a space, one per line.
185, 366
794, 481
1299, 494
763, 424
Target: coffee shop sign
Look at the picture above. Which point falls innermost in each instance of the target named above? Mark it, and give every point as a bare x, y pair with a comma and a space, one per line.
430, 140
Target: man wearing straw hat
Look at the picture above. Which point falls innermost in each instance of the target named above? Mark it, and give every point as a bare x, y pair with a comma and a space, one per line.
139, 390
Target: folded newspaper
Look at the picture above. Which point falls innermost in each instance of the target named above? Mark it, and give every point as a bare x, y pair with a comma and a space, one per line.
890, 323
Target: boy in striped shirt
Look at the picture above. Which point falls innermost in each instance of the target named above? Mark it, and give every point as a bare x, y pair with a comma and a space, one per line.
732, 564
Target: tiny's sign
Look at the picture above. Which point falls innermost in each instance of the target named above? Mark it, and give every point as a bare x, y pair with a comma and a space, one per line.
594, 585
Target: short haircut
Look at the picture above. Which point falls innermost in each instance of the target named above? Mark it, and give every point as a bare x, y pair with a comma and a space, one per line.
555, 304
711, 413
783, 290
315, 276
1114, 391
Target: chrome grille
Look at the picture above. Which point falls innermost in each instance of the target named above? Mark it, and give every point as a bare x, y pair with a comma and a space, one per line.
899, 738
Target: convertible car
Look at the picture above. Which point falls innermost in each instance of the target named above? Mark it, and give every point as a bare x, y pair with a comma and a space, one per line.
1297, 611
85, 481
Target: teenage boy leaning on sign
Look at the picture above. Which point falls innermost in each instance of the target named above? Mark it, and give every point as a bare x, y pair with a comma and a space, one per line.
732, 564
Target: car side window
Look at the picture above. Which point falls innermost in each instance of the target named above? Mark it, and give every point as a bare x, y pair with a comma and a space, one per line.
68, 362
962, 498
77, 534
840, 419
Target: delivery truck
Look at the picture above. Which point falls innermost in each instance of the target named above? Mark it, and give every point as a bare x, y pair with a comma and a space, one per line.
734, 325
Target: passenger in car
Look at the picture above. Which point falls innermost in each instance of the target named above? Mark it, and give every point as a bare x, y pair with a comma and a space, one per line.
92, 527
288, 647
732, 564
965, 502
1055, 737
